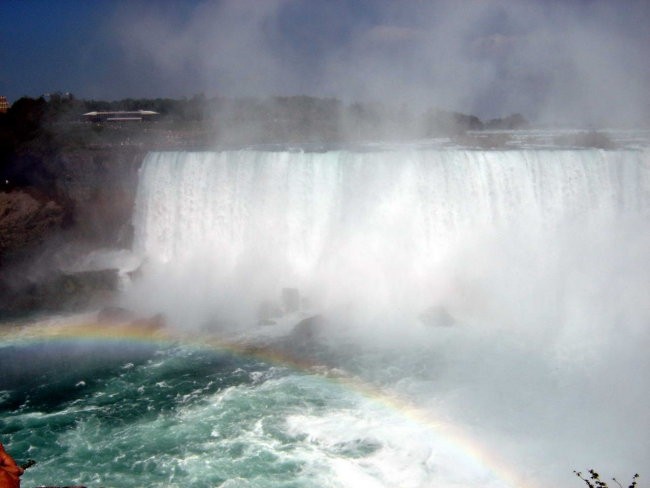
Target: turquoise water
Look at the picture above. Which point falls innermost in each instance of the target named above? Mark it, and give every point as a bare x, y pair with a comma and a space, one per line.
120, 414
174, 416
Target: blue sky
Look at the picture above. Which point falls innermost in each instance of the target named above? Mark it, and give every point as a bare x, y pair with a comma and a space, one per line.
549, 59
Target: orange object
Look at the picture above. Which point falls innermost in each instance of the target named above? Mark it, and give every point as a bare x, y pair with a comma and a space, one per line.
9, 471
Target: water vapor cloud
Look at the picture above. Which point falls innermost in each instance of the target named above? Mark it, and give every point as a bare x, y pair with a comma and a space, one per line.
581, 62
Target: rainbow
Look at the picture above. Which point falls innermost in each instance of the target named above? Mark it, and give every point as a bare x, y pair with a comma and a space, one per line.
86, 329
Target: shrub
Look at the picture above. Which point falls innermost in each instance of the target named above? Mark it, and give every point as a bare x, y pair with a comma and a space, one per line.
594, 481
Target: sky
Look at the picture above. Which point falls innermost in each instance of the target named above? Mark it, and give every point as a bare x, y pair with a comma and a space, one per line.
555, 61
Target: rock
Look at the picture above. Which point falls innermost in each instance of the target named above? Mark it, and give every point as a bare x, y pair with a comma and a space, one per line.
136, 274
307, 331
26, 219
152, 324
68, 202
72, 195
101, 187
121, 318
72, 291
115, 314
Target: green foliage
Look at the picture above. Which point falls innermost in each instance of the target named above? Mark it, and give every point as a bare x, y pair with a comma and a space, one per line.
594, 481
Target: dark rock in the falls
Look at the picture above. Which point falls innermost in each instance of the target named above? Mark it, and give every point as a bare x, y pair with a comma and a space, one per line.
138, 272
119, 317
308, 331
72, 291
115, 314
79, 288
152, 324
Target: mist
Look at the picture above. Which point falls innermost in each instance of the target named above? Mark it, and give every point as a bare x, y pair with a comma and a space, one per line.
558, 63
535, 260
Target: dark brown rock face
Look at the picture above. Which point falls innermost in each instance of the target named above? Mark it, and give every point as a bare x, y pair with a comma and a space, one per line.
99, 185
90, 196
60, 292
86, 205
26, 218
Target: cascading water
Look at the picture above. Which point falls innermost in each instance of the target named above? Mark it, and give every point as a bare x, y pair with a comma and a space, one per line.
540, 257
377, 231
486, 323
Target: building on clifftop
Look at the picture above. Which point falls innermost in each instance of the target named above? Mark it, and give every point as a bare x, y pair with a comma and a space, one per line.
121, 116
4, 105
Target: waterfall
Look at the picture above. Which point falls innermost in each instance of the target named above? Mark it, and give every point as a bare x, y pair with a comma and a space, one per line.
376, 227
539, 260
305, 202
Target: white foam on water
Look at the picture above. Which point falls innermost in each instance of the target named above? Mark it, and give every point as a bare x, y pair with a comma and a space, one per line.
399, 453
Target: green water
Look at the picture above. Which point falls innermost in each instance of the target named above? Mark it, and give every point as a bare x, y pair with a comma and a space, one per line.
119, 414
141, 416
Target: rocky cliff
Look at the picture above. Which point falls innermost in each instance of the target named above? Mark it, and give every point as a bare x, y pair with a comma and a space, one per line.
27, 217
86, 204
